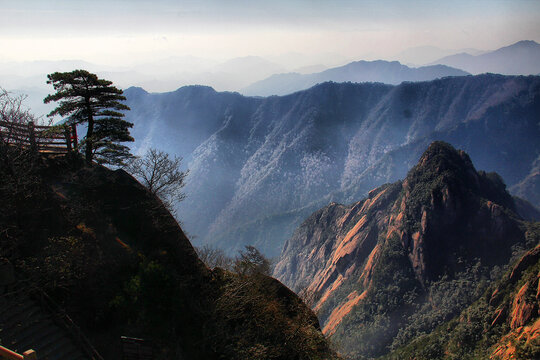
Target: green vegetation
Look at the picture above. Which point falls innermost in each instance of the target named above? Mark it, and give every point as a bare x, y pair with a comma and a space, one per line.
474, 333
440, 167
398, 317
444, 299
258, 318
86, 99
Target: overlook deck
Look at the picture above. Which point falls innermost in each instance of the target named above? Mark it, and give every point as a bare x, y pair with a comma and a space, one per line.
55, 140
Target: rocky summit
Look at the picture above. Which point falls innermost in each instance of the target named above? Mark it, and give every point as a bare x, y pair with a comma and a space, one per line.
408, 257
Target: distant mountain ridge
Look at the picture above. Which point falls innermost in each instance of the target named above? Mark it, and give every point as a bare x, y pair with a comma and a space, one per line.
260, 166
387, 72
426, 54
521, 58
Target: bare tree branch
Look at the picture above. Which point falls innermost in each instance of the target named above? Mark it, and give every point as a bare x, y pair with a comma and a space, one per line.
161, 175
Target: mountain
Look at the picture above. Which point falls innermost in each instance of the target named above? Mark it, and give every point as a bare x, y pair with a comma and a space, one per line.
410, 256
296, 60
116, 263
428, 54
260, 166
521, 58
358, 71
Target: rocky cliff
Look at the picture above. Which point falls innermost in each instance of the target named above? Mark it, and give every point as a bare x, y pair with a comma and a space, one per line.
377, 267
519, 311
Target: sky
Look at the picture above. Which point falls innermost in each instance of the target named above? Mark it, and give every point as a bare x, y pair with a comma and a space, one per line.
123, 32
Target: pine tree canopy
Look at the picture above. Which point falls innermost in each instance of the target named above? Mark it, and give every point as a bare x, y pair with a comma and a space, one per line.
84, 98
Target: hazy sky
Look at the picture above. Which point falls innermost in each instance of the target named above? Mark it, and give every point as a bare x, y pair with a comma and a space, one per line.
128, 31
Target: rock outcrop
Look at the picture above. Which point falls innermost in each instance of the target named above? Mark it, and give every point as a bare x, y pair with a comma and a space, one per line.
437, 223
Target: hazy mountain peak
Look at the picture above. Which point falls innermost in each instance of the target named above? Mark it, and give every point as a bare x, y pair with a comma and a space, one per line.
388, 72
135, 90
419, 55
195, 89
524, 43
521, 49
248, 64
443, 157
520, 58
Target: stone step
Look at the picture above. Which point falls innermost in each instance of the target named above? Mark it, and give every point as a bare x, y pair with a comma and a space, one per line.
72, 354
61, 345
25, 325
15, 309
24, 337
20, 329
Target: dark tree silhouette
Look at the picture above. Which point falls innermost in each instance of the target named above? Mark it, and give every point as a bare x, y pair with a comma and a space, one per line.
85, 98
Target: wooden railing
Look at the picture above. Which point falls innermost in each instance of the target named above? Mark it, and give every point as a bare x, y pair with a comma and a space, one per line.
56, 140
5, 353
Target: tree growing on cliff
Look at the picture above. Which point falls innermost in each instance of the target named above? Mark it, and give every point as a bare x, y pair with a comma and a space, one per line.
251, 262
87, 99
161, 175
214, 257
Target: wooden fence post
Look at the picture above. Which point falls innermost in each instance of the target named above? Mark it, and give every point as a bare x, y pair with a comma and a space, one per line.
67, 134
74, 135
29, 355
5, 353
32, 136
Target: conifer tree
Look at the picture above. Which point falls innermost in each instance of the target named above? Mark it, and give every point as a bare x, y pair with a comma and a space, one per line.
85, 98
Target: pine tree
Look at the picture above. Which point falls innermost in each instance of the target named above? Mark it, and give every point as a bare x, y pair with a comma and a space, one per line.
85, 98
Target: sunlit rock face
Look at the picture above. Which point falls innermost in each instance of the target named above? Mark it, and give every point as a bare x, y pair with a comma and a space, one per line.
381, 255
